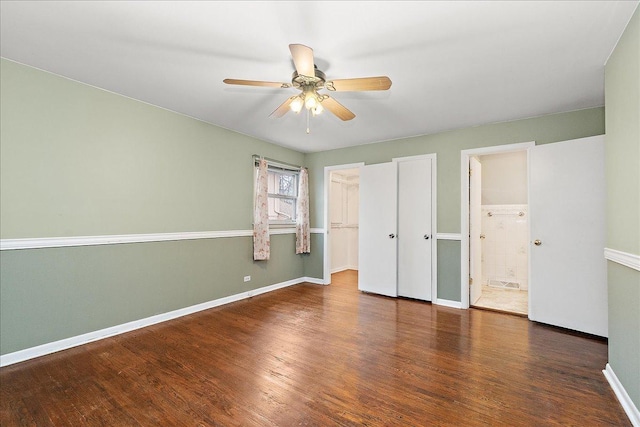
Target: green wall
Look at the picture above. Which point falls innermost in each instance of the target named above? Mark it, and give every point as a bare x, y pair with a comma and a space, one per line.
79, 161
52, 294
622, 94
449, 270
447, 146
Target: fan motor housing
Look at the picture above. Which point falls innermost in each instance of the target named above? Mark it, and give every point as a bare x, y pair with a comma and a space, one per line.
300, 81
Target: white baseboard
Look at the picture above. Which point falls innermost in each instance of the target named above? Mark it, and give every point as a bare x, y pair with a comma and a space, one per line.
312, 280
345, 268
448, 303
339, 269
52, 347
624, 399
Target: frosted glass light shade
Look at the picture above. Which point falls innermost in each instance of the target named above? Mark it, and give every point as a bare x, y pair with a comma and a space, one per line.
310, 101
296, 105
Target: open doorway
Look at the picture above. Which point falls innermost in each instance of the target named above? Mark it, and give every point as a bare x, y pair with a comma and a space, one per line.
341, 220
495, 228
343, 213
499, 237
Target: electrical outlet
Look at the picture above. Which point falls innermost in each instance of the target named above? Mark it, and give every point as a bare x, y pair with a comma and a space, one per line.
247, 278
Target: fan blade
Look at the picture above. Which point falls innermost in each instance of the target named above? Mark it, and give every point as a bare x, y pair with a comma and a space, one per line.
256, 83
282, 109
303, 59
338, 109
364, 83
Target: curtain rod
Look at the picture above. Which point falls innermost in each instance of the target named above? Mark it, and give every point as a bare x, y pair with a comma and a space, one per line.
277, 163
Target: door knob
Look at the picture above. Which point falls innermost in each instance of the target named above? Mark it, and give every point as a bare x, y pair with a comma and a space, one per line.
391, 236
426, 236
537, 242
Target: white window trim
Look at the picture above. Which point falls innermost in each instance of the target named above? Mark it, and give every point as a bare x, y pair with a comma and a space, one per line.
274, 165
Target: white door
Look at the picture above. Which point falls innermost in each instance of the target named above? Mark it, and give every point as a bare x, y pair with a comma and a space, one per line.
568, 283
414, 229
475, 230
377, 254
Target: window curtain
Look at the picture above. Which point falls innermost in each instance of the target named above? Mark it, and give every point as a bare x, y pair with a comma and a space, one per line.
261, 243
303, 232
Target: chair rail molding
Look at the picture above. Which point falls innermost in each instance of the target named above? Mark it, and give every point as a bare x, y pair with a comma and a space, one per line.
448, 236
60, 242
624, 258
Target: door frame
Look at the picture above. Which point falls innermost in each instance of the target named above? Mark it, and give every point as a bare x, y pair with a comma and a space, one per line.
464, 207
475, 259
434, 217
326, 267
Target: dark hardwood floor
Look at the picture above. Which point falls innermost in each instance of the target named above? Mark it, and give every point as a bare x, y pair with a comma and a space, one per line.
323, 356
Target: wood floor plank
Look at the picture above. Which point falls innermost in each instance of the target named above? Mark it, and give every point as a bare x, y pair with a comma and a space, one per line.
324, 356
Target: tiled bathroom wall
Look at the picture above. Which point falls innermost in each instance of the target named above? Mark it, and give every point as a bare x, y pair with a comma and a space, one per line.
505, 246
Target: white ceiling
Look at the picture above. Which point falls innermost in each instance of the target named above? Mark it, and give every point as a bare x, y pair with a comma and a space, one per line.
453, 64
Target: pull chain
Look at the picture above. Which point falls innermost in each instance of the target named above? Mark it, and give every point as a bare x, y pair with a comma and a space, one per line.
308, 114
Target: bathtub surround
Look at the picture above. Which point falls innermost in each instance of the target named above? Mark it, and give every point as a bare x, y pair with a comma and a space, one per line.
505, 246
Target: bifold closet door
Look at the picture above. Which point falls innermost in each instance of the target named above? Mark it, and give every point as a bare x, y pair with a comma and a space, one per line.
377, 254
414, 229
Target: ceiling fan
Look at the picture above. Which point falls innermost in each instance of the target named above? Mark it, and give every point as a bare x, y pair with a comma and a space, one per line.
309, 80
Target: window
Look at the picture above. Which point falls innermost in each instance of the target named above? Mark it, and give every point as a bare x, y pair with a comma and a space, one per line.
282, 194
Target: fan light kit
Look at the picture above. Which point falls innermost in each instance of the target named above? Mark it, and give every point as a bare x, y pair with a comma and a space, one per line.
309, 80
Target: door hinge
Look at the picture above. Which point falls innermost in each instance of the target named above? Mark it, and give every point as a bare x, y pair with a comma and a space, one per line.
470, 172
471, 280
